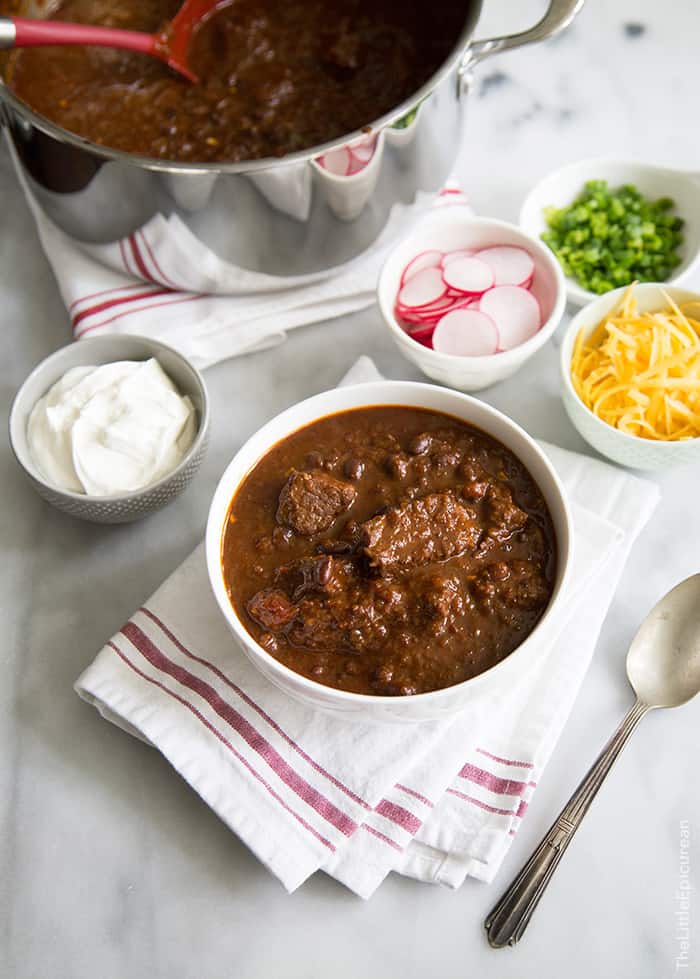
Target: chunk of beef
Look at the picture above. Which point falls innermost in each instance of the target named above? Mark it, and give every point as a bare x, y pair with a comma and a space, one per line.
514, 584
271, 609
359, 616
440, 602
310, 502
442, 597
421, 531
503, 516
525, 587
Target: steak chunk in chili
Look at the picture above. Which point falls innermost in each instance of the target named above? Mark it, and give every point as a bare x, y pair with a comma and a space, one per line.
310, 503
515, 584
271, 609
432, 528
503, 516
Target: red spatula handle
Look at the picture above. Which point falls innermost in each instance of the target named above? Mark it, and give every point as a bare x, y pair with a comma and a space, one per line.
21, 32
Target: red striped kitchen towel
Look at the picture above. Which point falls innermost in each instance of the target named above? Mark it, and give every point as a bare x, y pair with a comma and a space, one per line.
308, 791
163, 282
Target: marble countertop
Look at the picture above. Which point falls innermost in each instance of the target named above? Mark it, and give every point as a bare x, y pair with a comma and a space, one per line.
110, 866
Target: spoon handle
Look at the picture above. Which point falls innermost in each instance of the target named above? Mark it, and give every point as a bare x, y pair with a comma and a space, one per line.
506, 923
25, 32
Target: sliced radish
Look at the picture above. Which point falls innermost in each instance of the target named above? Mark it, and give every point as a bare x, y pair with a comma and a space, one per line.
439, 306
515, 310
364, 151
466, 333
422, 289
337, 162
449, 257
423, 334
433, 311
354, 167
468, 275
425, 260
411, 321
511, 266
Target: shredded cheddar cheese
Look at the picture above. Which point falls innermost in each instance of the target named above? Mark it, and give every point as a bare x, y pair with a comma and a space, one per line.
640, 372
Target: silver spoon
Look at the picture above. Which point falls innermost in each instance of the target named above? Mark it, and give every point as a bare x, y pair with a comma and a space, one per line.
663, 666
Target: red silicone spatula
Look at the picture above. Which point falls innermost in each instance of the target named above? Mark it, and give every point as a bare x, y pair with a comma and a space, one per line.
170, 45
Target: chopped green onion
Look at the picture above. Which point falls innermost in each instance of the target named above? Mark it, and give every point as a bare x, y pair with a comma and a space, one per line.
608, 238
405, 121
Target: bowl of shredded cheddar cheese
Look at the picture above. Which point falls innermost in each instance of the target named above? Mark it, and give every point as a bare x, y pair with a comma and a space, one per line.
630, 365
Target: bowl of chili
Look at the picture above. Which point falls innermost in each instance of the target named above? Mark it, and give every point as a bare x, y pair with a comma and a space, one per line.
361, 543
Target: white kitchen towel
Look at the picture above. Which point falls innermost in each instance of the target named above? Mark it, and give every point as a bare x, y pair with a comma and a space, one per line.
308, 791
163, 282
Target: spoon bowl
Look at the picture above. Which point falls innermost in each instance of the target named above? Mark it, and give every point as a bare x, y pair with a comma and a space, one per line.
559, 188
169, 45
663, 663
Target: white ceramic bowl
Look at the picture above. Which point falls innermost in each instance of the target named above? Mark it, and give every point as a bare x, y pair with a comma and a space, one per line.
562, 186
449, 228
426, 706
627, 450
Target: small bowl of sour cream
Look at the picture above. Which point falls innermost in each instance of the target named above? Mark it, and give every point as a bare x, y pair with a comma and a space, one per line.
111, 429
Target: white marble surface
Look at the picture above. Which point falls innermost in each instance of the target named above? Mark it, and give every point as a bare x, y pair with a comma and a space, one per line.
110, 866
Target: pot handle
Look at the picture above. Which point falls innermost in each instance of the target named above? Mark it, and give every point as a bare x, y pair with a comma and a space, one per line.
559, 15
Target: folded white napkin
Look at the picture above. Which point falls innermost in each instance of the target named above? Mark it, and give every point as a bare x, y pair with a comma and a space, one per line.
163, 282
305, 790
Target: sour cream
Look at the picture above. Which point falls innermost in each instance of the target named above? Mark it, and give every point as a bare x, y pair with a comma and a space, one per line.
110, 429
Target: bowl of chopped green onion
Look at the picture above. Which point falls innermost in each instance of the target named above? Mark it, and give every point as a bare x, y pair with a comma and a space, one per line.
612, 222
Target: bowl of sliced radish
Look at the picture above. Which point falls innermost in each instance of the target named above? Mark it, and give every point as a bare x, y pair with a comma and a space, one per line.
470, 299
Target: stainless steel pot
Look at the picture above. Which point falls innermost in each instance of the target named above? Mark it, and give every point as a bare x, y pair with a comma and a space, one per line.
284, 216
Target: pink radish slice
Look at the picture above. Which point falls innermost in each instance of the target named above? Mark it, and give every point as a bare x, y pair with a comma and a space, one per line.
511, 266
422, 289
468, 275
433, 312
413, 326
440, 306
413, 322
454, 256
425, 260
515, 310
466, 333
337, 162
364, 151
423, 334
356, 166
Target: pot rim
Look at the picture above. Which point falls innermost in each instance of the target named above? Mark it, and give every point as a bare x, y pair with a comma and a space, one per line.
457, 55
